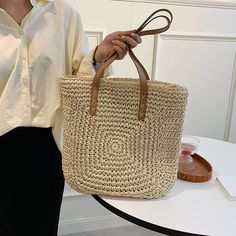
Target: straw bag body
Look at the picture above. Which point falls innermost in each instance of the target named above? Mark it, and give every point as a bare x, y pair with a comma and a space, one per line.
121, 135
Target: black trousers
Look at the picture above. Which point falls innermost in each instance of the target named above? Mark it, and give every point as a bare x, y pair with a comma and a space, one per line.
32, 183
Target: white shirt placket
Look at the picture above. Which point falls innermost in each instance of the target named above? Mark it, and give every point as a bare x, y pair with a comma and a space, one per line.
25, 77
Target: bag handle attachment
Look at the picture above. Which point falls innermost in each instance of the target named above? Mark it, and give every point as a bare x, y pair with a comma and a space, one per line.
143, 75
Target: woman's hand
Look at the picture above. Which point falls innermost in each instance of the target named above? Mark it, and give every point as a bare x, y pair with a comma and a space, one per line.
116, 42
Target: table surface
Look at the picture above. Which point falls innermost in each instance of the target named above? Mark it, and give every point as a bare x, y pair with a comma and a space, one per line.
189, 208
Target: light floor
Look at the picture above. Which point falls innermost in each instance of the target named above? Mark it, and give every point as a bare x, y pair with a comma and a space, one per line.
122, 231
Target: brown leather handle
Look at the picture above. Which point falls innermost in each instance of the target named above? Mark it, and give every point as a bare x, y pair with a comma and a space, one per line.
143, 75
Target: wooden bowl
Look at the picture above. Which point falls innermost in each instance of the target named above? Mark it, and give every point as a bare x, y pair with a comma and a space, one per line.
202, 171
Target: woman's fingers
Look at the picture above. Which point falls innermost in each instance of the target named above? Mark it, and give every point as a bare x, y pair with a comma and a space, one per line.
117, 41
120, 47
136, 37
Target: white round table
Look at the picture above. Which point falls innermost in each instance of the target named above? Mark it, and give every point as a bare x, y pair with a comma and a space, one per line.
189, 208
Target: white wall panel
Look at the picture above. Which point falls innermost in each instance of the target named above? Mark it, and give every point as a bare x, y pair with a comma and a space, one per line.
83, 213
204, 67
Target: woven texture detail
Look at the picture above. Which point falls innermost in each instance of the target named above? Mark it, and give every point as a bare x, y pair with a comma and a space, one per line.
113, 153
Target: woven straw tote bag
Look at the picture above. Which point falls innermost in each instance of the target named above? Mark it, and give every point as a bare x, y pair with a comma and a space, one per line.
122, 135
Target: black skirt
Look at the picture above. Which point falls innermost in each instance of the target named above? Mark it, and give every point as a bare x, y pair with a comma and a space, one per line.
32, 183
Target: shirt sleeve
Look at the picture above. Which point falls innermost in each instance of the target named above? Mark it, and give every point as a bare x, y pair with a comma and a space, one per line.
82, 58
86, 68
78, 62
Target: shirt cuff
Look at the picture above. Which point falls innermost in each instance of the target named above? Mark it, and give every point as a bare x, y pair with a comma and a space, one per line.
86, 68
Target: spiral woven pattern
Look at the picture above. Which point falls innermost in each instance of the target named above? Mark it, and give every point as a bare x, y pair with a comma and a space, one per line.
113, 153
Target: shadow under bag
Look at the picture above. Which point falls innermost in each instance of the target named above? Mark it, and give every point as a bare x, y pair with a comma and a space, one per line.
122, 135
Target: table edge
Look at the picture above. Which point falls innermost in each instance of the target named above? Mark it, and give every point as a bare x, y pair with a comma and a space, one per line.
142, 223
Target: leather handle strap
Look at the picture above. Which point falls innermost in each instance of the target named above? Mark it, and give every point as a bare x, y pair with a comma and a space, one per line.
152, 17
143, 75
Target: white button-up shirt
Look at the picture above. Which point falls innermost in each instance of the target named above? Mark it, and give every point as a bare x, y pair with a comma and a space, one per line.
48, 44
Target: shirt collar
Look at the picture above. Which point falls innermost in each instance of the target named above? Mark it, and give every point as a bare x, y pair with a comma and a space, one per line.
34, 2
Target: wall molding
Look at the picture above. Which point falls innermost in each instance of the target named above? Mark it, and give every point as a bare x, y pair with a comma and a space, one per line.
223, 38
232, 95
80, 225
186, 36
95, 33
229, 4
195, 36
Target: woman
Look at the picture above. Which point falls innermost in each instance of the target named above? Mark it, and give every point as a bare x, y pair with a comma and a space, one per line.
39, 42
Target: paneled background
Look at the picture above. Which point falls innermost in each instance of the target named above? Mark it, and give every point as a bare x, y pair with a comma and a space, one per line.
199, 52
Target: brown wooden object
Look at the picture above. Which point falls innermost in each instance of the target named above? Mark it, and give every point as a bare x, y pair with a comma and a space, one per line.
202, 171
